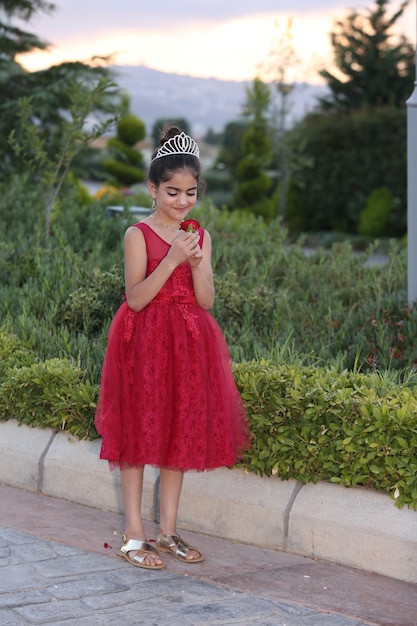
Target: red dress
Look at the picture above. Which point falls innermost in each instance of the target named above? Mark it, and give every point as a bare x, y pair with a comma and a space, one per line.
167, 394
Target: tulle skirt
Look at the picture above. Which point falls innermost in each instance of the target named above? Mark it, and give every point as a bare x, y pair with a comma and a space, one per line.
167, 394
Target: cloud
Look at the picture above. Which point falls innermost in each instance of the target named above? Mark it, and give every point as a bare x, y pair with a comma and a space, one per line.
74, 18
228, 39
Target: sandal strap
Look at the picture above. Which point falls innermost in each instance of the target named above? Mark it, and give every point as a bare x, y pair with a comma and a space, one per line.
174, 542
136, 545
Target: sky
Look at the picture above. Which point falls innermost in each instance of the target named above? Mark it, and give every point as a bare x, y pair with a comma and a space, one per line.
224, 39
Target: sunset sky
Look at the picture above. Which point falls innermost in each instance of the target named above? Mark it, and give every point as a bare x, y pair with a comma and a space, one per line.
225, 39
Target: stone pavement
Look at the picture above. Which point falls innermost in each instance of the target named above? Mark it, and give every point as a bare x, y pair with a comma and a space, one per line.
58, 567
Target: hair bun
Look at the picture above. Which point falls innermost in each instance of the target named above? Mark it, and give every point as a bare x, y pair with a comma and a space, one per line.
168, 132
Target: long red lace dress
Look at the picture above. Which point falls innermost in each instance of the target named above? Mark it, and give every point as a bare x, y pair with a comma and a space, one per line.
167, 394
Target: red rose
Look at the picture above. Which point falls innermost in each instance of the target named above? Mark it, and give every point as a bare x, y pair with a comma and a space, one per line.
190, 226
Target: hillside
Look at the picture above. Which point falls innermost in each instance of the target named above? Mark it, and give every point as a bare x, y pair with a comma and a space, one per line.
204, 102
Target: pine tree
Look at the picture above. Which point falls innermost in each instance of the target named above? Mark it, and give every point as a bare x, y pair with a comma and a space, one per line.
253, 183
377, 69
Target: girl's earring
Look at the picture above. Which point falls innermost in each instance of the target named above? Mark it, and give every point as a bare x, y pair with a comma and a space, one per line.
153, 204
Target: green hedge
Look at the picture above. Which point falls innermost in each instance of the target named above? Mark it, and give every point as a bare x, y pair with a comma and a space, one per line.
308, 423
315, 424
54, 393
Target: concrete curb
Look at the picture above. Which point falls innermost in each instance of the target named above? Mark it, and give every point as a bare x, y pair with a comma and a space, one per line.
354, 527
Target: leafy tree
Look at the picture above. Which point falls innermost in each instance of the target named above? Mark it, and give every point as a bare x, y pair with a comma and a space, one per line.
51, 170
47, 89
253, 183
376, 69
351, 155
283, 60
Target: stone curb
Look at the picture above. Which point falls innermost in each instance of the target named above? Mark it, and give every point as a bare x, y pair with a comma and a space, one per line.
355, 527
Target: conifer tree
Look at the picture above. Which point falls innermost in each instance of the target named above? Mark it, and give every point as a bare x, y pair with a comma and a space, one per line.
253, 183
375, 67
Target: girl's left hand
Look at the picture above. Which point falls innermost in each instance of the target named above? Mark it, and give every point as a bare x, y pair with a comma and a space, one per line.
191, 241
183, 247
197, 257
196, 254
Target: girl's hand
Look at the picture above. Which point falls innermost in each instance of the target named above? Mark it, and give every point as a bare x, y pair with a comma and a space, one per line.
196, 258
185, 247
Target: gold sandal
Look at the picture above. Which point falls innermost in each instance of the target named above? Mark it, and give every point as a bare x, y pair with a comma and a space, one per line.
177, 547
136, 545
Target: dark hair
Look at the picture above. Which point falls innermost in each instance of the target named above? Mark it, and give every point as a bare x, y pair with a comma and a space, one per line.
162, 169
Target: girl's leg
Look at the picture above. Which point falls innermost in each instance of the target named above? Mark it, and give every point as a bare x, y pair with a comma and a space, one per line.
171, 484
132, 484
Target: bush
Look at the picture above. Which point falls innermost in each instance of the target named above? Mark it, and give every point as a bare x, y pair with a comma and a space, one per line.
329, 306
54, 394
374, 219
13, 353
312, 424
342, 159
87, 308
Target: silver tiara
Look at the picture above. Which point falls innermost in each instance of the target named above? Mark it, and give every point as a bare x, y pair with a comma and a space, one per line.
179, 144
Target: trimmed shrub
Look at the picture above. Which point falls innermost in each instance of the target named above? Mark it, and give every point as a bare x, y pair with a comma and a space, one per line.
124, 151
312, 424
123, 173
374, 219
130, 129
54, 394
125, 162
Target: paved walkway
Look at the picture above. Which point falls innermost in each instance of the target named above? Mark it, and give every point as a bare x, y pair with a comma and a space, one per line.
57, 567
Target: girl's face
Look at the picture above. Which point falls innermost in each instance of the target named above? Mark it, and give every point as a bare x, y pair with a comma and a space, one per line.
176, 197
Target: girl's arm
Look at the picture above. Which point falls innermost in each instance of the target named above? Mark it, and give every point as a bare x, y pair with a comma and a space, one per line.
202, 273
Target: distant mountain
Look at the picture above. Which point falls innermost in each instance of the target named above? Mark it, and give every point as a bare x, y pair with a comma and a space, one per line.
204, 102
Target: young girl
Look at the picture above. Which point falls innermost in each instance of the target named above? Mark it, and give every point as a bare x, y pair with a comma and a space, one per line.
167, 394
